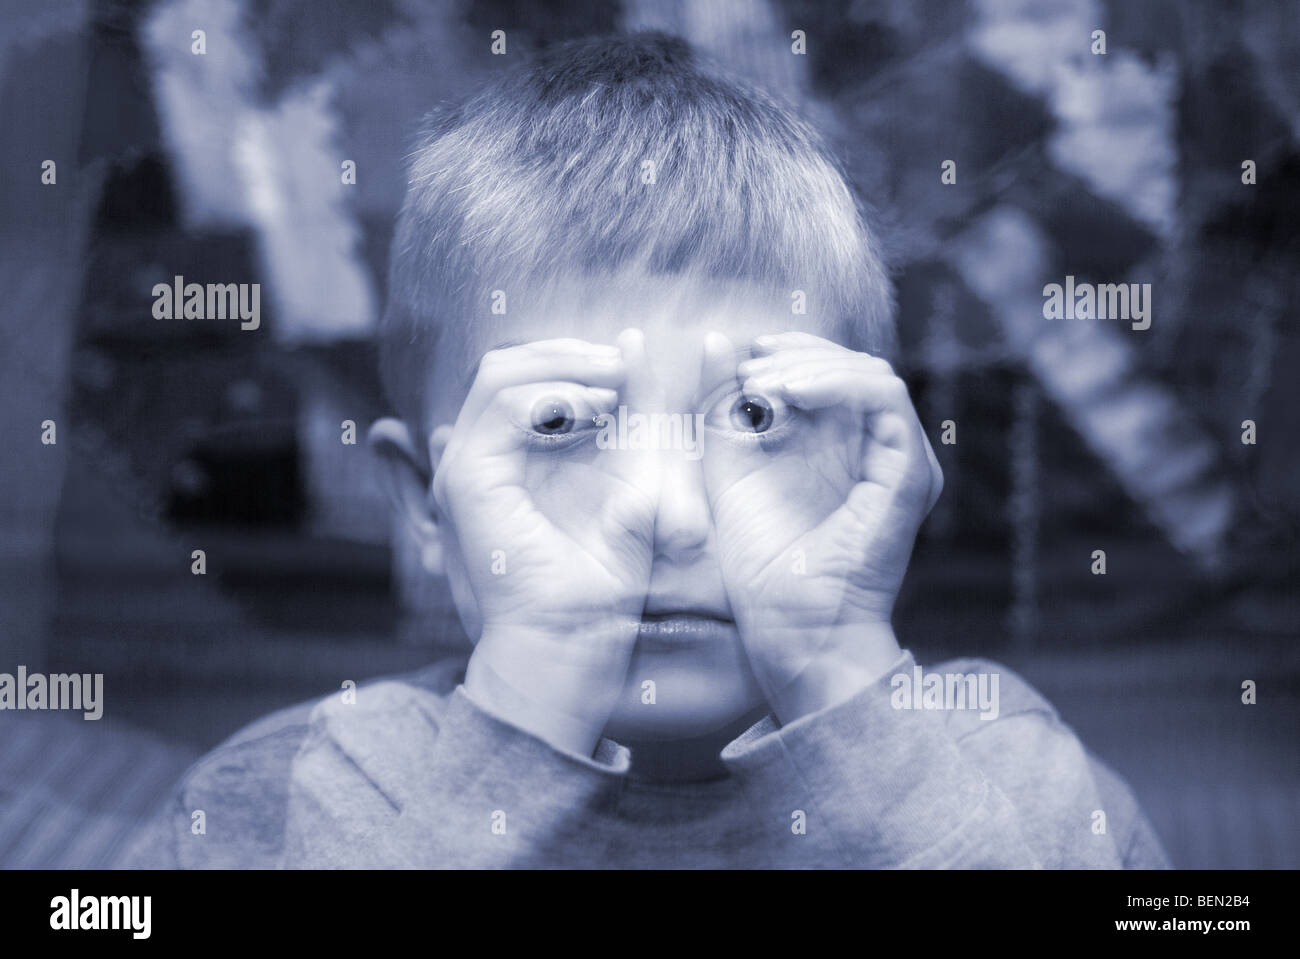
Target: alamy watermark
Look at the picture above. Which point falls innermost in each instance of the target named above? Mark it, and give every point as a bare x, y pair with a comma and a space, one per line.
921, 690
212, 301
650, 431
129, 913
1107, 301
83, 691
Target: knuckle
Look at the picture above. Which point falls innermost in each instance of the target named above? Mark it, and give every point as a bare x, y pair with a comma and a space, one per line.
438, 490
443, 489
896, 389
936, 481
498, 407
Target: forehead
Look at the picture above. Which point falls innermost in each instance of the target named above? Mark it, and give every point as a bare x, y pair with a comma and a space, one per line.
674, 312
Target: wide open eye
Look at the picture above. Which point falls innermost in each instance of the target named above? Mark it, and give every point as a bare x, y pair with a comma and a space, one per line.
556, 416
751, 414
751, 417
552, 416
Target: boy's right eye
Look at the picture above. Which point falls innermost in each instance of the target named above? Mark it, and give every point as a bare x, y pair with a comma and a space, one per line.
751, 414
556, 418
552, 416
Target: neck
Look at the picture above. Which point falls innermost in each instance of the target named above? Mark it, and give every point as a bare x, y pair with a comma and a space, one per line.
687, 760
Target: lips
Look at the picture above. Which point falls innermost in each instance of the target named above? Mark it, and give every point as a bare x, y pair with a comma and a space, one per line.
674, 630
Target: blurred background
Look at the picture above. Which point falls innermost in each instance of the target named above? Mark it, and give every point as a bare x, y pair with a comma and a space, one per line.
1072, 436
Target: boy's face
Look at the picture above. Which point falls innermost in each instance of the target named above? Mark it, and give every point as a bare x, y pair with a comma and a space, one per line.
689, 644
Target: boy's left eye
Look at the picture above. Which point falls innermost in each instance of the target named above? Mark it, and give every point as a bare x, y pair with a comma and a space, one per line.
753, 416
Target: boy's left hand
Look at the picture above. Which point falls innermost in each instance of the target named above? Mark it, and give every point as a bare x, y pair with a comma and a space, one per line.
815, 532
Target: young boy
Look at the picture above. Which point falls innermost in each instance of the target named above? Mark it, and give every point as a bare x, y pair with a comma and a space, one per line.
636, 336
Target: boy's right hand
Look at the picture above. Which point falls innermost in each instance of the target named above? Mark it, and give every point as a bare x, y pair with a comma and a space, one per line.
556, 543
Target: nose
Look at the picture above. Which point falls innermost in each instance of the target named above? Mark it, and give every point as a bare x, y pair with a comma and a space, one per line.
670, 470
683, 520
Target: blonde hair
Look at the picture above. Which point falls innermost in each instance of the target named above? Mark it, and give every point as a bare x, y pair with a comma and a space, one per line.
545, 172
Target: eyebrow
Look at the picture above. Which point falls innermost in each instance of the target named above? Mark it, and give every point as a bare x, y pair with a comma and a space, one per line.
466, 380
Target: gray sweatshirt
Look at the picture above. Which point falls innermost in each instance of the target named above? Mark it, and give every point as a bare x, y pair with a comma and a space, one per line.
415, 774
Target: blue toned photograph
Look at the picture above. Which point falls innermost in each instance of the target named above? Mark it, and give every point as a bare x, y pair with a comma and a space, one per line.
649, 435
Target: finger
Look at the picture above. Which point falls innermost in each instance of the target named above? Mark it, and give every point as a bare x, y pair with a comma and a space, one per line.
510, 423
774, 381
574, 361
936, 473
640, 388
630, 344
783, 362
565, 359
521, 405
717, 362
884, 398
588, 363
794, 339
505, 434
817, 386
542, 349
562, 344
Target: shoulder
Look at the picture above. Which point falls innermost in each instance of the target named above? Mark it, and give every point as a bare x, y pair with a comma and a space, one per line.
1046, 756
422, 694
239, 790
1002, 694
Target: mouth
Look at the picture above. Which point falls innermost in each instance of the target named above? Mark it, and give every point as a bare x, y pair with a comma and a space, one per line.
682, 629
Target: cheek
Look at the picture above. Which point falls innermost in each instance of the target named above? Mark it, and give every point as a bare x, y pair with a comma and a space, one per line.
808, 476
570, 489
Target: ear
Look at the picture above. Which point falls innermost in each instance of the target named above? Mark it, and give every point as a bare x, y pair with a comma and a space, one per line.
405, 474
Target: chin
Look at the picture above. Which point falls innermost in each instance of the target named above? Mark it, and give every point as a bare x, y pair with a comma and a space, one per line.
690, 699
